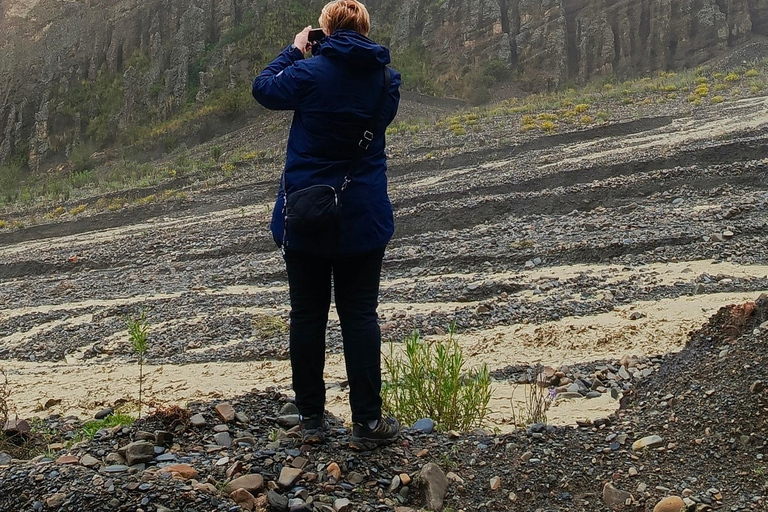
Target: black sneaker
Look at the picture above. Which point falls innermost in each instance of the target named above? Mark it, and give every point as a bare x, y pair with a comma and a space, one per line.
313, 429
386, 431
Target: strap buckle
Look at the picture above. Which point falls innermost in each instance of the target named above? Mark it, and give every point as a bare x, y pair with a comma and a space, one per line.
366, 140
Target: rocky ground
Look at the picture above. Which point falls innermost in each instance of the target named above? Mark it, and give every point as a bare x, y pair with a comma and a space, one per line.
693, 434
570, 250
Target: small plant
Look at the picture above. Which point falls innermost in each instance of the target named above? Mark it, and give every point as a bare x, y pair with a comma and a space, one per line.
216, 153
58, 212
137, 333
5, 398
717, 99
548, 126
77, 209
267, 325
702, 90
537, 401
458, 130
587, 119
89, 429
581, 108
528, 119
3, 224
751, 73
732, 77
457, 400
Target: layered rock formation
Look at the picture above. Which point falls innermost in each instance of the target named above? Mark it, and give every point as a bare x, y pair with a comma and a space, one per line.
154, 47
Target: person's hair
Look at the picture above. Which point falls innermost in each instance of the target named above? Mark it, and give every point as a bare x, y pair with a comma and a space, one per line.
349, 14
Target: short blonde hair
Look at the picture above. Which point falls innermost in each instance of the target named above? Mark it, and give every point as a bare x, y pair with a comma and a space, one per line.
349, 14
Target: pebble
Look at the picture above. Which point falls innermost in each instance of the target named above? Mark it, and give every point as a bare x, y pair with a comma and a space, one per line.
138, 452
334, 471
89, 461
342, 505
670, 504
647, 442
56, 500
355, 478
104, 413
495, 483
614, 497
184, 471
289, 409
426, 425
226, 412
251, 482
117, 468
288, 476
434, 485
197, 420
223, 439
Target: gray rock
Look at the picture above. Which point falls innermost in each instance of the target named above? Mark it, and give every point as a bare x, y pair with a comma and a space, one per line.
89, 461
426, 425
289, 420
594, 394
114, 458
198, 420
104, 413
277, 501
342, 505
288, 409
116, 468
434, 484
223, 439
138, 452
5, 459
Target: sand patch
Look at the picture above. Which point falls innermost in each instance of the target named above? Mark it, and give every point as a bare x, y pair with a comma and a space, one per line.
85, 388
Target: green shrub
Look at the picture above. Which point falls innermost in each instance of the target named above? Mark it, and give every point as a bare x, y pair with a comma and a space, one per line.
10, 179
81, 157
428, 380
752, 73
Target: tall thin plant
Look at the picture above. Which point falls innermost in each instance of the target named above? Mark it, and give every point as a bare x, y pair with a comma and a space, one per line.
428, 380
536, 402
138, 334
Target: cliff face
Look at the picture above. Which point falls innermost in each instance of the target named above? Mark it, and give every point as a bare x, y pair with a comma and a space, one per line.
159, 52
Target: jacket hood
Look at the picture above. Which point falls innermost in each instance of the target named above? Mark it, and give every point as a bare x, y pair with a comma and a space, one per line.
358, 50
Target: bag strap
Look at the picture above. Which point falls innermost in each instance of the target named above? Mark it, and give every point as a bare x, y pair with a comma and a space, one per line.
368, 134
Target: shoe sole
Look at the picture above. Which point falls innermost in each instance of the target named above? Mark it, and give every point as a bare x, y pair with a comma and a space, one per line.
313, 437
368, 442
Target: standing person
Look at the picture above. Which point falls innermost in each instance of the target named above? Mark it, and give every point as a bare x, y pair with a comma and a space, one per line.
343, 99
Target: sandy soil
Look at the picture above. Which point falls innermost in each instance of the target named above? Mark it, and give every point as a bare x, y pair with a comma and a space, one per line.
85, 388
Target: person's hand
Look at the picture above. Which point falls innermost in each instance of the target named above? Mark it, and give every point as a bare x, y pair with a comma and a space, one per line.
301, 41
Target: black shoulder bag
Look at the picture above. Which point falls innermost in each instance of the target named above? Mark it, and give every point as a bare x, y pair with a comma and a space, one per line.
316, 210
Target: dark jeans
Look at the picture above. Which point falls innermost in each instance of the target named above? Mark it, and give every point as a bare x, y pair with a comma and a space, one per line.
356, 286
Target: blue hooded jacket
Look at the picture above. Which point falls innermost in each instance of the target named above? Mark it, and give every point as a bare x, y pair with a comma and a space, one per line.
334, 94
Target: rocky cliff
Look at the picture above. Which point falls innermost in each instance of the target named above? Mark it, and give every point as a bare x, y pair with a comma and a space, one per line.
92, 69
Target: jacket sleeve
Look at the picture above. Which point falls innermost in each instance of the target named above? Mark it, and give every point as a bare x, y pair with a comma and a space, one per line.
394, 93
281, 85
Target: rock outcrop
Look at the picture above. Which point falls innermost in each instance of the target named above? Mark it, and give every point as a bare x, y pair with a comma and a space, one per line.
162, 54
